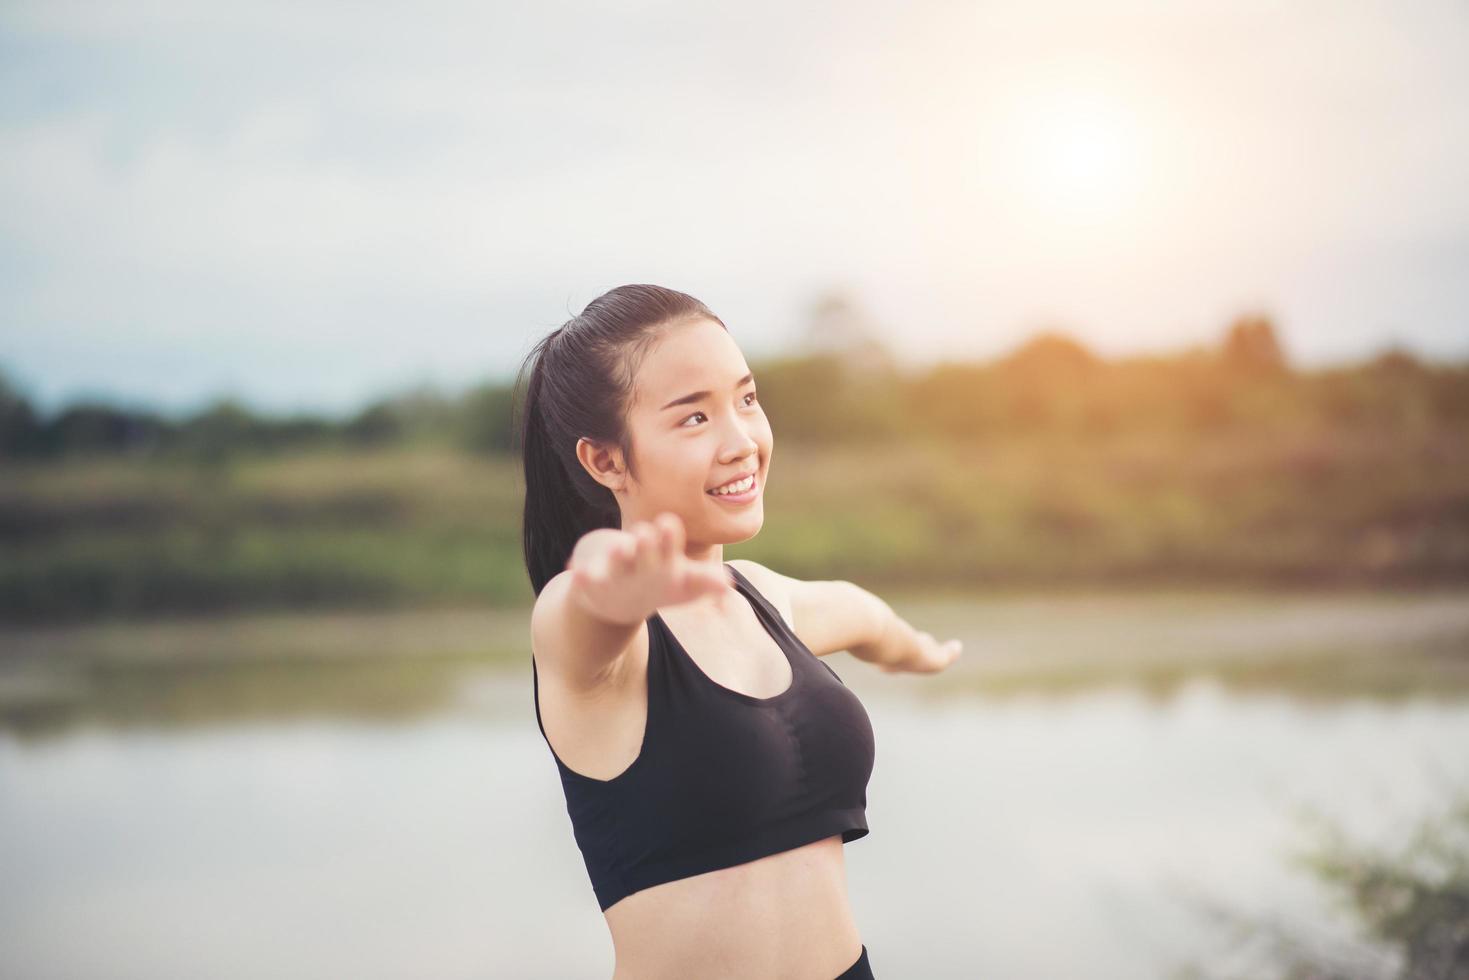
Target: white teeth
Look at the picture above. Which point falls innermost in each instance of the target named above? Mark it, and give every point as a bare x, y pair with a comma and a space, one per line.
739, 486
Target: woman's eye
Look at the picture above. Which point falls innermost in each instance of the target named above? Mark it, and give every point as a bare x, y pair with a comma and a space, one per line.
749, 400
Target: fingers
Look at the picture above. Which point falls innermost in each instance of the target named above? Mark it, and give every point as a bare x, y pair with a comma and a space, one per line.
672, 531
702, 576
647, 548
644, 545
617, 558
658, 545
692, 579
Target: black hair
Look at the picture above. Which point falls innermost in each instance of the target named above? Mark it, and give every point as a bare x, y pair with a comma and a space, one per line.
581, 385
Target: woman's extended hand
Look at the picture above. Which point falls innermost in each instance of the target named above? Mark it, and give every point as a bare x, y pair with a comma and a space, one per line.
926, 655
625, 575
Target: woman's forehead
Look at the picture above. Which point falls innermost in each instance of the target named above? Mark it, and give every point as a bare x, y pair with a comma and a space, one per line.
687, 359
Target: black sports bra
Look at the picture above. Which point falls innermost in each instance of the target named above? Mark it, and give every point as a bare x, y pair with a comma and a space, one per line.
722, 777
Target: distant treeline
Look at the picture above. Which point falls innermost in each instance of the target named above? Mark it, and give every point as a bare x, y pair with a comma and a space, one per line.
1049, 467
1052, 383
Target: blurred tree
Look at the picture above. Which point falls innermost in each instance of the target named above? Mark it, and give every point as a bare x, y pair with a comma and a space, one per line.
841, 384
425, 413
419, 414
485, 422
1049, 380
838, 327
956, 400
1449, 394
1396, 361
376, 425
1053, 356
90, 427
1401, 391
224, 428
1251, 347
20, 429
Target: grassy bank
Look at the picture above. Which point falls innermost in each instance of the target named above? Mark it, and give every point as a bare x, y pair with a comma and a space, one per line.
91, 538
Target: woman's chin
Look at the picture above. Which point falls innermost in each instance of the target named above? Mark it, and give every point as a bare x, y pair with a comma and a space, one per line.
746, 520
753, 511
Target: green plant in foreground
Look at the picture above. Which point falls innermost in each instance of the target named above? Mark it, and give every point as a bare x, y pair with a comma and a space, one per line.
1407, 910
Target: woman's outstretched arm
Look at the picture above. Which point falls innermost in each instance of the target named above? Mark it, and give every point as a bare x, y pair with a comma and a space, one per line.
840, 615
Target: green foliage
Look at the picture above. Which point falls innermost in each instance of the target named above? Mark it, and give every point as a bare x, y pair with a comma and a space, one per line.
1048, 465
851, 393
818, 398
102, 535
1406, 909
485, 419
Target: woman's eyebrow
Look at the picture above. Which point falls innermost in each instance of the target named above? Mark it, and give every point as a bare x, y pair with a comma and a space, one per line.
699, 396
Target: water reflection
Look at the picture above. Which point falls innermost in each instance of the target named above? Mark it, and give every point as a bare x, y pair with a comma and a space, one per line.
398, 817
46, 703
39, 699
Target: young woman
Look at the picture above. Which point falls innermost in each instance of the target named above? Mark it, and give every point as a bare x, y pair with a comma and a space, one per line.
713, 766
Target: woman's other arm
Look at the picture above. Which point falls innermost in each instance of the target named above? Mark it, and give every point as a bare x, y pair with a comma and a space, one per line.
835, 615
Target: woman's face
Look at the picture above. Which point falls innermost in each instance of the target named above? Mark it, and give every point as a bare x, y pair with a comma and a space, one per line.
696, 424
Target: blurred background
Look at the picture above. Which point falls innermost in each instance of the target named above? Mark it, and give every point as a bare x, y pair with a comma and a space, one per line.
1126, 342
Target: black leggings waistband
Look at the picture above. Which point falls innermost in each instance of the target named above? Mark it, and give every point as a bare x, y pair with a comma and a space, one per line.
860, 970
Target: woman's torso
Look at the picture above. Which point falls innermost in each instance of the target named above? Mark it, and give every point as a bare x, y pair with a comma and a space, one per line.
783, 915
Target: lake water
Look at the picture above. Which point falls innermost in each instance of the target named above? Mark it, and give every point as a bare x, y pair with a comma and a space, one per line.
182, 824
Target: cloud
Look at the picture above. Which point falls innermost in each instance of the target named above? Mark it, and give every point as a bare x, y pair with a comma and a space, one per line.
326, 181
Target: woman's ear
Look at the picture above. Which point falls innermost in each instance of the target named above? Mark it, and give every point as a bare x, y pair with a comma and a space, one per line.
604, 464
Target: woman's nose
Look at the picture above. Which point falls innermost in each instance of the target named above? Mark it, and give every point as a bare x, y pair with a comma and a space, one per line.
743, 448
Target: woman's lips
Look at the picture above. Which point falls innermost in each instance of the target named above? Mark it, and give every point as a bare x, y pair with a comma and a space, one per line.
739, 498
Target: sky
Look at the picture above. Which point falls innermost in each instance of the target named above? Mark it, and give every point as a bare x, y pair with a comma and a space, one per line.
307, 205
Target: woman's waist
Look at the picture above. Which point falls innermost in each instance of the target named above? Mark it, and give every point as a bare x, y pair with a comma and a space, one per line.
782, 913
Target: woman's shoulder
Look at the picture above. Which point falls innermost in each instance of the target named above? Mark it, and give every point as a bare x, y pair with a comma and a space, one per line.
827, 615
586, 654
774, 586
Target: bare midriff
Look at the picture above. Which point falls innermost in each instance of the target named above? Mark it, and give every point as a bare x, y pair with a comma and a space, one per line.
785, 916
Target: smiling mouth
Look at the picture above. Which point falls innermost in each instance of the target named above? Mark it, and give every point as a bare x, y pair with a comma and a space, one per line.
746, 484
